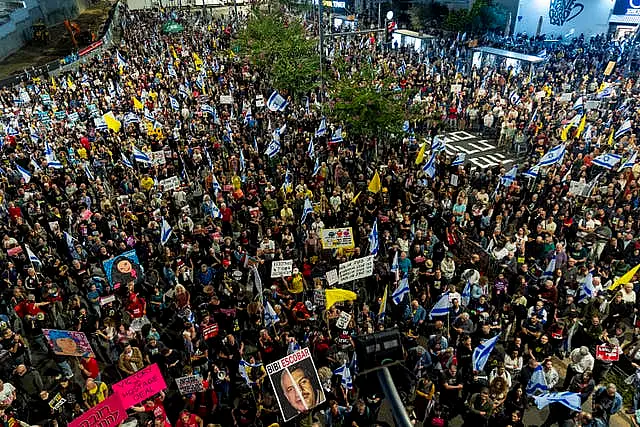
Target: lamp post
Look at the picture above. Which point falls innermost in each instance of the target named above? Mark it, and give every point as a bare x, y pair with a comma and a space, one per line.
321, 33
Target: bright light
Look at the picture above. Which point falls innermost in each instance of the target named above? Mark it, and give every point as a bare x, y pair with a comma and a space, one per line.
390, 15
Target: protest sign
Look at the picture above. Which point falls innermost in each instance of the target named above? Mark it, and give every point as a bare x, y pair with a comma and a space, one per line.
57, 402
157, 158
226, 99
565, 97
332, 277
608, 353
139, 386
170, 184
456, 88
355, 269
333, 238
108, 299
123, 269
609, 69
190, 384
210, 331
109, 413
319, 297
138, 323
343, 320
259, 101
68, 343
296, 383
281, 268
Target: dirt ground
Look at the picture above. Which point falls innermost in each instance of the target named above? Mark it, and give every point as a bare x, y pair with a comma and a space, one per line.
59, 44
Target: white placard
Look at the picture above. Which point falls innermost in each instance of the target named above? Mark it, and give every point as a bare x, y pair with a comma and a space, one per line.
259, 101
332, 277
456, 88
157, 158
578, 188
170, 184
281, 268
190, 384
591, 105
226, 99
107, 299
356, 269
343, 320
541, 94
565, 97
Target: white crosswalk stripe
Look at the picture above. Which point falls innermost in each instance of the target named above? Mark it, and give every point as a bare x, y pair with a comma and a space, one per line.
480, 152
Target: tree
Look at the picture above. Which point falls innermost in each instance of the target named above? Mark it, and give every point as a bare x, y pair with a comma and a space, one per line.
282, 48
422, 15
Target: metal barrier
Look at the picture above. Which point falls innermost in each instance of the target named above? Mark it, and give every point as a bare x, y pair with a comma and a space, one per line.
73, 60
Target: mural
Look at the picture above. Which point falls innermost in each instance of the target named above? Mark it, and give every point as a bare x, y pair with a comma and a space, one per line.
561, 11
565, 18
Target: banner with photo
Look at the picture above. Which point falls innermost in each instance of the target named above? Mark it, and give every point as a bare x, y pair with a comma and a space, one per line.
68, 343
355, 269
296, 384
123, 269
333, 238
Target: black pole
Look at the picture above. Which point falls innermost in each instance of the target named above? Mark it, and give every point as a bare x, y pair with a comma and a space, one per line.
390, 392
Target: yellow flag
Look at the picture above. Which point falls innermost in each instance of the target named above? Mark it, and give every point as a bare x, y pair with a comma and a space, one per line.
626, 278
383, 303
70, 84
137, 104
565, 132
197, 61
355, 198
375, 185
610, 142
420, 156
111, 121
54, 86
582, 125
333, 296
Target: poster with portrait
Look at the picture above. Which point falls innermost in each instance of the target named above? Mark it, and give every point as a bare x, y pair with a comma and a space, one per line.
123, 269
296, 384
68, 343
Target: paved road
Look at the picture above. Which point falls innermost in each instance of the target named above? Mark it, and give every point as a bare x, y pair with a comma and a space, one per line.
480, 152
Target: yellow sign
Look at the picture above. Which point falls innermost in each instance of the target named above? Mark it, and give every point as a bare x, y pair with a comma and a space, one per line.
610, 67
333, 238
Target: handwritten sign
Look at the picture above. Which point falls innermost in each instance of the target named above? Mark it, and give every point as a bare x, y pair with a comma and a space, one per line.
355, 269
139, 386
332, 277
190, 384
282, 268
109, 413
607, 354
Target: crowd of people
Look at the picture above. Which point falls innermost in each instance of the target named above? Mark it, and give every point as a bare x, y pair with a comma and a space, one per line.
190, 183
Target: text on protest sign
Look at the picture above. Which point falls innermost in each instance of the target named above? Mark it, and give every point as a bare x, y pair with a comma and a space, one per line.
343, 320
109, 413
355, 269
332, 277
139, 386
281, 268
170, 184
190, 384
607, 354
333, 238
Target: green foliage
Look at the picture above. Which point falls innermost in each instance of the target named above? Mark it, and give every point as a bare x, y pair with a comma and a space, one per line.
281, 47
422, 15
484, 15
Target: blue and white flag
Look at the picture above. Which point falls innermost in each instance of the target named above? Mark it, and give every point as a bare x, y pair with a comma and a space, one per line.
401, 291
395, 266
459, 160
270, 315
465, 296
345, 373
441, 308
215, 184
537, 384
174, 103
273, 148
69, 240
550, 270
243, 165
276, 102
322, 128
207, 109
316, 167
567, 398
533, 172
131, 118
311, 151
624, 128
337, 136
306, 210
430, 167
579, 104
514, 98
629, 162
242, 370
121, 62
482, 352
149, 115
605, 93
87, 172
32, 257
248, 117
587, 290
438, 144
542, 53
126, 161
140, 156
355, 368
165, 232
406, 126
607, 161
553, 156
50, 156
509, 177
373, 239
402, 68
26, 175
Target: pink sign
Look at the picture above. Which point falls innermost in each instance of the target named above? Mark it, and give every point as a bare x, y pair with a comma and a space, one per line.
109, 413
139, 386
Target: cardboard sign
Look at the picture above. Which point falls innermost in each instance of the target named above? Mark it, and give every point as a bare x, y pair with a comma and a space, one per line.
157, 158
343, 320
578, 188
259, 101
226, 99
190, 384
110, 413
296, 384
170, 184
68, 343
333, 238
332, 277
139, 386
355, 269
281, 268
607, 354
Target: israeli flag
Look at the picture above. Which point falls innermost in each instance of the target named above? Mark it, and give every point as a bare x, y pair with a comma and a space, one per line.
172, 71
405, 126
514, 98
311, 151
354, 364
537, 384
276, 102
257, 280
553, 156
73, 117
121, 61
624, 128
395, 266
140, 156
248, 117
215, 211
441, 308
466, 294
130, 118
174, 103
273, 148
242, 370
32, 257
345, 373
567, 398
242, 162
629, 162
316, 167
126, 161
36, 166
207, 109
459, 160
587, 290
373, 238
508, 178
26, 175
401, 291
438, 144
430, 167
542, 53
165, 232
402, 68
87, 172
607, 161
579, 104
50, 156
322, 128
482, 352
149, 115
69, 240
270, 315
605, 93
550, 270
533, 172
215, 184
306, 210
337, 136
